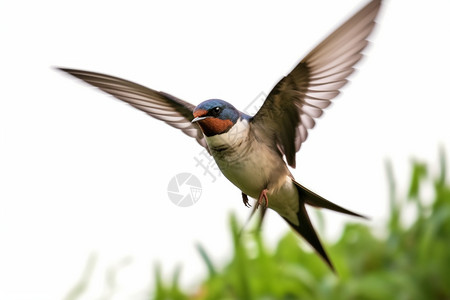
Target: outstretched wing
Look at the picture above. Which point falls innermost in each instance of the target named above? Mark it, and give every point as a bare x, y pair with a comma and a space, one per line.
175, 112
300, 97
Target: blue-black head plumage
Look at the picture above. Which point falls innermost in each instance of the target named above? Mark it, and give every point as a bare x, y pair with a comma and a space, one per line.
215, 116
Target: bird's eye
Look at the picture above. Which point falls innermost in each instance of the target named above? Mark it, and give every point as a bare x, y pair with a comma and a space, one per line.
216, 110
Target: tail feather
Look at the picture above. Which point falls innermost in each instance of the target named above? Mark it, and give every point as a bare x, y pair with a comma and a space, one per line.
305, 228
313, 199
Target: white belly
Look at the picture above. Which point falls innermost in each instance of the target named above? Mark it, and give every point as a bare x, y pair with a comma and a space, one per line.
254, 171
253, 167
252, 176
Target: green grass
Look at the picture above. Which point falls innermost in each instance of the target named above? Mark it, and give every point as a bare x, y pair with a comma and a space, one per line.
399, 262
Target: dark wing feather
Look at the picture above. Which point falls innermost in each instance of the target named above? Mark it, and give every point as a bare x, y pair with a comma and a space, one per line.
300, 97
175, 112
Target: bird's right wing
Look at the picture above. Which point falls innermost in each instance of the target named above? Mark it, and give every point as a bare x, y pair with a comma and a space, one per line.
300, 97
175, 112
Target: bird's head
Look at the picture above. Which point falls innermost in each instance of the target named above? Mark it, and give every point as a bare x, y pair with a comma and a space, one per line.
215, 116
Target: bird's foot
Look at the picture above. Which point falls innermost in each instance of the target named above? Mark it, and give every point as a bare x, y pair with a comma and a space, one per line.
245, 200
263, 196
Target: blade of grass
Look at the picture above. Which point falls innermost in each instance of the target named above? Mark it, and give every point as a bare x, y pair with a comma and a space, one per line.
208, 262
80, 288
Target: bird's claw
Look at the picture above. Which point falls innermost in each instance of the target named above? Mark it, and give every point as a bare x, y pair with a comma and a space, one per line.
262, 196
245, 200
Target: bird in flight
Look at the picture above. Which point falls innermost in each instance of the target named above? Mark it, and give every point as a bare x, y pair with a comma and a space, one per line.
254, 152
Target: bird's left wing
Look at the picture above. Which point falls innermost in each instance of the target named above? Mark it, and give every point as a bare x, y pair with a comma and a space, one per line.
300, 97
162, 106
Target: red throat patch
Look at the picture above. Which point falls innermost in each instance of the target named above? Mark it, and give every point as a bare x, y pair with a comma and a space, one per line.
213, 126
200, 113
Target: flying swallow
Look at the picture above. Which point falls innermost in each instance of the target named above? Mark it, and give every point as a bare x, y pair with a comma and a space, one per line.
254, 152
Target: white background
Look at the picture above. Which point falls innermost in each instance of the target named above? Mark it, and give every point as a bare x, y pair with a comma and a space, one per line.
82, 173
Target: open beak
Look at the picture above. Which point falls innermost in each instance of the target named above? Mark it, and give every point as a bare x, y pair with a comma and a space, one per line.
198, 119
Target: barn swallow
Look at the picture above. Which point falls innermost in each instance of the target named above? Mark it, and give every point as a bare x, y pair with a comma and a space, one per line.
254, 152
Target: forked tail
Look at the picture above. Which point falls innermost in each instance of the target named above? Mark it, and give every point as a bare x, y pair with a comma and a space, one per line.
305, 228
